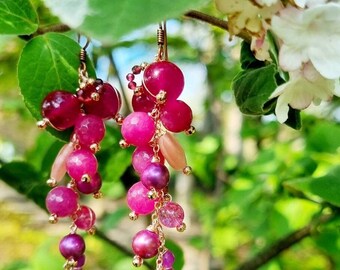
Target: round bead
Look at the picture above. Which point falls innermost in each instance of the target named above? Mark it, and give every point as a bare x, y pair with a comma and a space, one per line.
89, 129
145, 244
138, 128
85, 218
171, 215
138, 200
132, 85
80, 262
142, 157
142, 103
90, 90
130, 77
81, 162
176, 116
61, 108
156, 175
92, 185
168, 260
72, 246
136, 69
164, 76
62, 201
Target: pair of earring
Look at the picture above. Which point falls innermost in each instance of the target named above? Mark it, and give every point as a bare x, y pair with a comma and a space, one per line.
157, 113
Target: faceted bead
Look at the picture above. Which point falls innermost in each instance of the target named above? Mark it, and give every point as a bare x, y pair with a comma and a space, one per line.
89, 129
145, 244
176, 116
171, 215
164, 76
138, 201
108, 104
86, 93
58, 170
61, 108
142, 157
92, 185
72, 246
81, 162
85, 218
142, 103
138, 128
62, 201
172, 151
156, 175
168, 260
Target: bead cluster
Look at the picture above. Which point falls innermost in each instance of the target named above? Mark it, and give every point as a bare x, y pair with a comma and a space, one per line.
85, 112
157, 114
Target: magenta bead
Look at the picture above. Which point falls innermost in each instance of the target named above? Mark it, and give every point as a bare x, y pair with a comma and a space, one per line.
176, 116
168, 260
171, 215
142, 157
145, 244
138, 128
156, 175
142, 103
130, 77
85, 218
62, 201
89, 129
91, 186
81, 162
61, 108
138, 201
72, 246
132, 85
164, 76
136, 69
80, 262
108, 104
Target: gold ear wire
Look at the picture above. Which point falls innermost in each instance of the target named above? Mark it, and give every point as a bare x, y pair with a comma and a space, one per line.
162, 42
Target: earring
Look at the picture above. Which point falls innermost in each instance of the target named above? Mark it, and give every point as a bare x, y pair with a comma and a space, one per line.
157, 115
84, 111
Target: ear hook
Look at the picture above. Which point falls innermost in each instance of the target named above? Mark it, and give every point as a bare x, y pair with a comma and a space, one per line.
162, 42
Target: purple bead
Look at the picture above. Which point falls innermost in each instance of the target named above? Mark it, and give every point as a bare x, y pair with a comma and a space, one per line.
171, 215
168, 260
138, 201
156, 175
85, 218
145, 244
89, 129
142, 157
80, 262
72, 246
130, 77
93, 184
62, 201
81, 162
138, 128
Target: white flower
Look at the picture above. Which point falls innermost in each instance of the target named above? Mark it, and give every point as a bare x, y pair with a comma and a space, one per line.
260, 47
304, 87
310, 35
308, 3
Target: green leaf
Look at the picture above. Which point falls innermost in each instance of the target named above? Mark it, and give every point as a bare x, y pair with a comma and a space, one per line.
17, 17
26, 180
253, 88
47, 63
326, 187
248, 59
324, 137
108, 21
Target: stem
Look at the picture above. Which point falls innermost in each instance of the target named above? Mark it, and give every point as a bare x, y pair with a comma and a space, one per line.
60, 28
216, 22
272, 251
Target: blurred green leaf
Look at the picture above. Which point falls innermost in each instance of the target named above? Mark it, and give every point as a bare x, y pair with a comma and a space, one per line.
26, 180
324, 137
111, 220
47, 63
17, 17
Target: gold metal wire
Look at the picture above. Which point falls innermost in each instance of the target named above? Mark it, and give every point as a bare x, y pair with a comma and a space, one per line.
162, 42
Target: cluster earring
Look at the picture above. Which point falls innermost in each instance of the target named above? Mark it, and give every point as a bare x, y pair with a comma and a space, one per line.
85, 111
157, 114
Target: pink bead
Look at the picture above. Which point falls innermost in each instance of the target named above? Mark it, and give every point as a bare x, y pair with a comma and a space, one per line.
62, 201
132, 85
138, 128
142, 157
164, 76
142, 103
93, 185
85, 218
130, 77
145, 244
81, 162
59, 165
168, 260
171, 215
89, 129
138, 201
156, 175
172, 151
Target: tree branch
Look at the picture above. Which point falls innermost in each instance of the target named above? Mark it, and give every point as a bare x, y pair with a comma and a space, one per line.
52, 28
216, 22
272, 251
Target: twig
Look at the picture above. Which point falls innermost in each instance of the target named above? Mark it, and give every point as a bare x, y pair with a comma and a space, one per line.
283, 244
52, 28
216, 22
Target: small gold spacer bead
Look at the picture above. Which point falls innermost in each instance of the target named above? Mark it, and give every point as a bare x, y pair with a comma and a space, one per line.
133, 216
119, 119
190, 131
181, 228
144, 65
187, 170
42, 124
95, 96
137, 261
51, 182
92, 231
53, 219
95, 147
86, 178
161, 97
123, 144
98, 195
152, 194
138, 91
